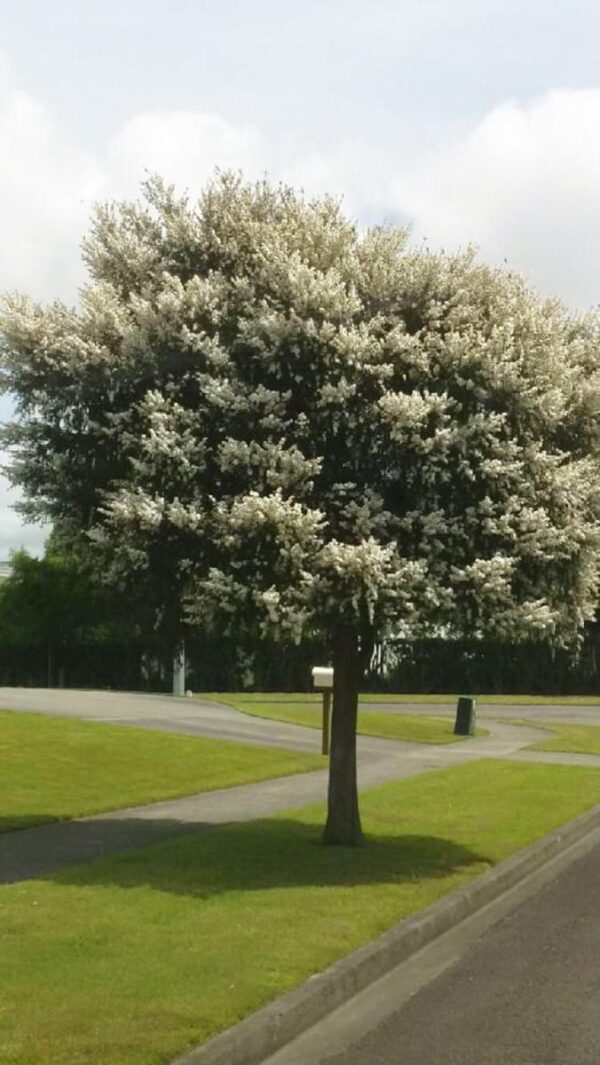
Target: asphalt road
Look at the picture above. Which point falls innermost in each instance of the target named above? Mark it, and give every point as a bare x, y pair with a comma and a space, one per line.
527, 992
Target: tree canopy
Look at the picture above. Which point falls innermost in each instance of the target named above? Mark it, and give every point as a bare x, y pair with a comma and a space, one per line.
279, 423
56, 613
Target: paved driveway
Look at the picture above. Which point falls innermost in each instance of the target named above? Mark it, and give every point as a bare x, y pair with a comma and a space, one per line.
165, 712
206, 718
555, 712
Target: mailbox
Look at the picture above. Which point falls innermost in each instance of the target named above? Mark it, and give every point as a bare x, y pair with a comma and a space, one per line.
322, 678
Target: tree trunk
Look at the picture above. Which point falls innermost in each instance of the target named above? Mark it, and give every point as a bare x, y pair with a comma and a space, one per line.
343, 818
179, 669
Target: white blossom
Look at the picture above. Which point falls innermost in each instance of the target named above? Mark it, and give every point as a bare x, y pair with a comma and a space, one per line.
301, 425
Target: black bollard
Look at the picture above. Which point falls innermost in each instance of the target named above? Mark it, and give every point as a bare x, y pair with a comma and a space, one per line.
465, 716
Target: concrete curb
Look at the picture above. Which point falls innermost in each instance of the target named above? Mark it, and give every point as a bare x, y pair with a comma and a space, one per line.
270, 1028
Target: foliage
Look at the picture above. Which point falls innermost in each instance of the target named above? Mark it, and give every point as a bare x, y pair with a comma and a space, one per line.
493, 666
309, 422
61, 623
47, 600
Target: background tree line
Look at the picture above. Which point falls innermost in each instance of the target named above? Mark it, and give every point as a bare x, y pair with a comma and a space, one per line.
60, 626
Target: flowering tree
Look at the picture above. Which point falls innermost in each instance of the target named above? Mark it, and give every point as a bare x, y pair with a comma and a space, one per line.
279, 424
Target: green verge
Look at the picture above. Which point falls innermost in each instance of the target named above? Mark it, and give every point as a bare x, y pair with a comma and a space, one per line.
134, 959
55, 768
575, 739
496, 700
412, 728
395, 697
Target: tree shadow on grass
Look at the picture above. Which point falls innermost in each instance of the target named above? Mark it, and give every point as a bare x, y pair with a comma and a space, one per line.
272, 854
19, 821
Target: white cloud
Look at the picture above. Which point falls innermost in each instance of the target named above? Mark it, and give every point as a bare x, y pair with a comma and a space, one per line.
46, 186
183, 146
523, 185
401, 26
13, 534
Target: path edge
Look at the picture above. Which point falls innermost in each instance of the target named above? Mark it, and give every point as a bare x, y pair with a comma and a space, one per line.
271, 1027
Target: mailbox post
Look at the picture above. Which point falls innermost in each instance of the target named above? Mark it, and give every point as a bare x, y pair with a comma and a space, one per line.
322, 677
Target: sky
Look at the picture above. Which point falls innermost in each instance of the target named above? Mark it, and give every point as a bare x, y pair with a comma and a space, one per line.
467, 121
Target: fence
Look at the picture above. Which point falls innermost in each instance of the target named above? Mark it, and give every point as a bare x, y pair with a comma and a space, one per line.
427, 666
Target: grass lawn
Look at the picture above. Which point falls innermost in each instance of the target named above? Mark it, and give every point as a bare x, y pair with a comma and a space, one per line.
306, 710
133, 959
392, 697
54, 768
579, 739
498, 700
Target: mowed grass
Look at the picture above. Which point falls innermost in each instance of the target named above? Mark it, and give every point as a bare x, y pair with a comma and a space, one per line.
54, 768
413, 728
576, 739
420, 698
498, 700
134, 959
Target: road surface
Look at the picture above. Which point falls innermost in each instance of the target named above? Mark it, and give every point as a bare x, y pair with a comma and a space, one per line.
522, 991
